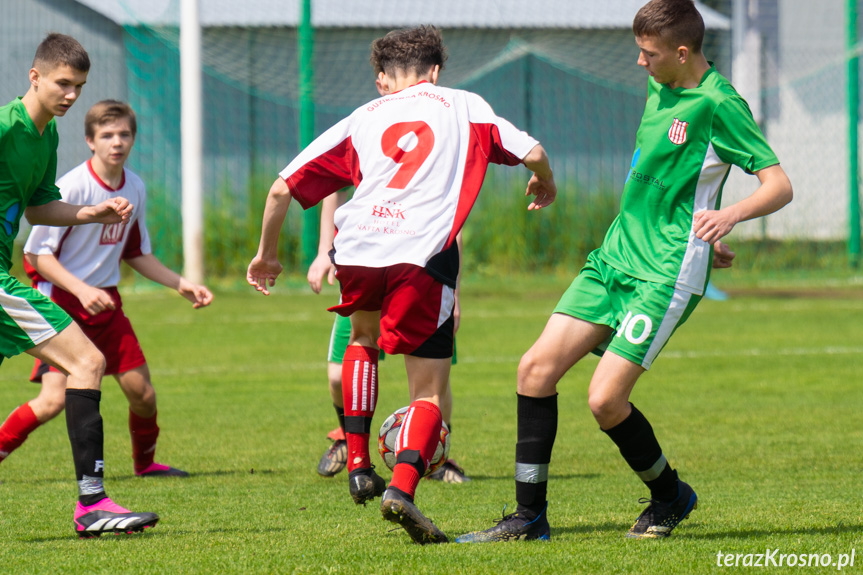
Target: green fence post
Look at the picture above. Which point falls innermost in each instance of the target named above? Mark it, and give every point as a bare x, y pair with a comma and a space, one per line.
305, 50
853, 122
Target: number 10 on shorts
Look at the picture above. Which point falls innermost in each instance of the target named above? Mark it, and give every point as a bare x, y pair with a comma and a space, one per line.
636, 328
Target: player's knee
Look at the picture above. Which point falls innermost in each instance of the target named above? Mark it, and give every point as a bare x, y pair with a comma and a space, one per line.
606, 409
88, 365
146, 396
535, 377
54, 405
49, 404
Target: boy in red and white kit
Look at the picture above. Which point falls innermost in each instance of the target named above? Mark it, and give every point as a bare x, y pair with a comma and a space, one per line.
79, 269
417, 158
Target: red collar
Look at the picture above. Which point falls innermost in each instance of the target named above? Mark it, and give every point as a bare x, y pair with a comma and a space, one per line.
101, 182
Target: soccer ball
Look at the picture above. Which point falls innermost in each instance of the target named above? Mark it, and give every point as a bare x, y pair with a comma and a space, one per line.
390, 431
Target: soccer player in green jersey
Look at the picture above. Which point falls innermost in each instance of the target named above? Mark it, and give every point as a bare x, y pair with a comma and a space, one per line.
29, 321
650, 272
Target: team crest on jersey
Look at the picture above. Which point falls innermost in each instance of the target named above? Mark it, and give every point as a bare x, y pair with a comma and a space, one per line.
677, 132
112, 234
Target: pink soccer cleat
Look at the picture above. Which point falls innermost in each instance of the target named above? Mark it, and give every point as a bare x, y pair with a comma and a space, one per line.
159, 470
108, 517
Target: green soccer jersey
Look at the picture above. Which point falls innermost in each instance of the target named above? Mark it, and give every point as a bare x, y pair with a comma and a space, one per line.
686, 143
28, 171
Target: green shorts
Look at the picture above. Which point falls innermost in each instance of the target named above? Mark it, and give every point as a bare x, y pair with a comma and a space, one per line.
342, 333
643, 314
27, 318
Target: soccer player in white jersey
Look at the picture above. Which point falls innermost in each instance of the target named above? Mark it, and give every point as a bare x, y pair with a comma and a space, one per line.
649, 273
417, 158
335, 458
79, 269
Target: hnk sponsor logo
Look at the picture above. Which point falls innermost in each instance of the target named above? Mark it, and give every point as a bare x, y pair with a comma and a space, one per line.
388, 213
112, 234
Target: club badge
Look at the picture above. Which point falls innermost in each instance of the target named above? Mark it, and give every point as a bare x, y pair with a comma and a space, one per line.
677, 132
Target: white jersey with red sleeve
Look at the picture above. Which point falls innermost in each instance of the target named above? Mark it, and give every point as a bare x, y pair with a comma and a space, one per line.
418, 158
92, 252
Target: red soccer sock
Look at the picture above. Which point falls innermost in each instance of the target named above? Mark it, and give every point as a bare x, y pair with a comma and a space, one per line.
144, 432
416, 445
360, 394
16, 428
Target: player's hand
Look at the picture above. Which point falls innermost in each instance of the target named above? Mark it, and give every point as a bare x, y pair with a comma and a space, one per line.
262, 274
543, 191
321, 266
199, 295
112, 211
722, 255
456, 312
95, 300
712, 225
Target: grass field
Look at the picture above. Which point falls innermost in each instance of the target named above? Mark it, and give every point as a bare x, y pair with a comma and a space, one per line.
757, 401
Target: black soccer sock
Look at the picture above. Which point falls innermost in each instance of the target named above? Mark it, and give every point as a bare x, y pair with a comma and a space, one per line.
84, 424
537, 428
639, 447
340, 413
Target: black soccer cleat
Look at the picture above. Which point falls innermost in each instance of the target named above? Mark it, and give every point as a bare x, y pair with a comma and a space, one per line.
398, 508
108, 517
334, 459
661, 517
518, 526
365, 485
449, 472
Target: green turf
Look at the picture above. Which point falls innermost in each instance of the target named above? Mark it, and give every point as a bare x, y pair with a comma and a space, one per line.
756, 401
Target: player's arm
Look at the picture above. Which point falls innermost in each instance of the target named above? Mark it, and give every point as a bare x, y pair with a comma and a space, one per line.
541, 184
151, 268
773, 193
322, 266
265, 267
457, 307
93, 299
57, 213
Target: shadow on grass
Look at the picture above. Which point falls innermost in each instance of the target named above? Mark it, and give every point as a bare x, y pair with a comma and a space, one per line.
607, 527
118, 537
150, 533
755, 533
132, 477
621, 528
196, 474
480, 477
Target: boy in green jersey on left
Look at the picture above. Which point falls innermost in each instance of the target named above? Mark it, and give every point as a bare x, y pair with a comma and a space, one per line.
650, 272
29, 321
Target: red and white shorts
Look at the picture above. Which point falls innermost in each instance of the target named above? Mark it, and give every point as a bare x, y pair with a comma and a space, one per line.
416, 309
109, 330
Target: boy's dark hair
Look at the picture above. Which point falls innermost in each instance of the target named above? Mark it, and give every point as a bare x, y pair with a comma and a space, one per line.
416, 49
108, 111
676, 22
59, 50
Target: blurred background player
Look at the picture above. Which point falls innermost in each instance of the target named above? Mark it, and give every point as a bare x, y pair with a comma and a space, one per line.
417, 158
335, 457
650, 272
79, 269
30, 322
